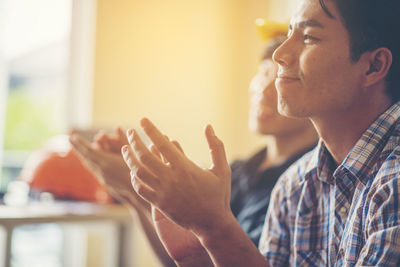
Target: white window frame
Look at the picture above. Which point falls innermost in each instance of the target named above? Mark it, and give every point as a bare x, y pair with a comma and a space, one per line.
3, 86
82, 58
81, 68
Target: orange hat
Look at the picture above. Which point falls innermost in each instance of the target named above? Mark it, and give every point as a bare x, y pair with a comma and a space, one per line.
268, 29
58, 170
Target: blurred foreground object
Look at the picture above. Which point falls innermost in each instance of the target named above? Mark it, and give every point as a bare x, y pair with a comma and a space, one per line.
17, 194
56, 169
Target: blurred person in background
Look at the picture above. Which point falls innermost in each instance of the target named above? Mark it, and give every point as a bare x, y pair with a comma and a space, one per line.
286, 140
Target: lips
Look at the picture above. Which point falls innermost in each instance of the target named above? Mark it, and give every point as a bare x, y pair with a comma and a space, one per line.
286, 80
287, 77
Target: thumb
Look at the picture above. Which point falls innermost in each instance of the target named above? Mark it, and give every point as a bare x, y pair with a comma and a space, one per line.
217, 151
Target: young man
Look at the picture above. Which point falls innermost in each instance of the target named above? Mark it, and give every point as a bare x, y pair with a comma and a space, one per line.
339, 204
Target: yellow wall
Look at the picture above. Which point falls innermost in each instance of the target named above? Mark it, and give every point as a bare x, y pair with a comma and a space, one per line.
181, 63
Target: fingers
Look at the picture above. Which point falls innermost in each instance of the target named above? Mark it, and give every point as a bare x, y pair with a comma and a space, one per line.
217, 151
101, 139
167, 149
176, 143
143, 190
137, 169
155, 151
82, 147
142, 153
87, 154
121, 135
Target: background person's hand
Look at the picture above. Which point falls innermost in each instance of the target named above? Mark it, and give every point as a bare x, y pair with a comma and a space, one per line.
110, 168
111, 142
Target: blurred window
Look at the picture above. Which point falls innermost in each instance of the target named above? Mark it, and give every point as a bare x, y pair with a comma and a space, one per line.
36, 36
45, 72
36, 53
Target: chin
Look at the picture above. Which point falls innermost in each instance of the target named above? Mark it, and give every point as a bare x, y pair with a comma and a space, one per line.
285, 108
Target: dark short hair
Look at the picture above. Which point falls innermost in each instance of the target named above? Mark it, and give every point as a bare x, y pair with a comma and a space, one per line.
373, 24
272, 45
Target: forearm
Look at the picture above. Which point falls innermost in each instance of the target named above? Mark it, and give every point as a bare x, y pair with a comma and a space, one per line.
228, 245
144, 216
198, 259
154, 241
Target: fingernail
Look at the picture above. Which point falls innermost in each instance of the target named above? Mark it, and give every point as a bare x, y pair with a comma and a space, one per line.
124, 149
144, 121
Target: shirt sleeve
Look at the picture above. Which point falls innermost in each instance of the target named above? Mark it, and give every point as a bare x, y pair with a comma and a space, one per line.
275, 239
382, 246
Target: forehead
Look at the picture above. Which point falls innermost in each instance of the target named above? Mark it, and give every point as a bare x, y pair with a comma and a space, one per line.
311, 11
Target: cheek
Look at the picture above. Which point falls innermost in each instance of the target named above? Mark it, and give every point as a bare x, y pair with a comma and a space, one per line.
321, 72
273, 98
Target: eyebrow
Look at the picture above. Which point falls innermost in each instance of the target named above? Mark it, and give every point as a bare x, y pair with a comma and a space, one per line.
307, 23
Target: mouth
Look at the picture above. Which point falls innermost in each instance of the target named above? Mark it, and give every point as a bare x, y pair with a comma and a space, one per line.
287, 78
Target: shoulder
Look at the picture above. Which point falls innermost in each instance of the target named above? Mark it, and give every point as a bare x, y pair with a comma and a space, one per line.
383, 195
389, 166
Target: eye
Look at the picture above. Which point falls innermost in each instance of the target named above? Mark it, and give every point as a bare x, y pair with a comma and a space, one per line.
309, 39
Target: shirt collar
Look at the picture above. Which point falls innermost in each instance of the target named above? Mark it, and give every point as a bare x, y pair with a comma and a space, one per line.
321, 164
363, 155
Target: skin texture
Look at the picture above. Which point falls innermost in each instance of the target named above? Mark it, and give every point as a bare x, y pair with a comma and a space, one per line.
286, 136
197, 199
316, 79
264, 117
103, 158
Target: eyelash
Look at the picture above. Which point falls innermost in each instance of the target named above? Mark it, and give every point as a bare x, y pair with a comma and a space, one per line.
307, 37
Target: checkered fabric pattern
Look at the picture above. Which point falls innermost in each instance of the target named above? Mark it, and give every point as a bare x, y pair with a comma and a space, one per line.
321, 214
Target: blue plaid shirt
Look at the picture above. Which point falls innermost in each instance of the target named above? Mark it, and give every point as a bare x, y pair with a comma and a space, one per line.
323, 215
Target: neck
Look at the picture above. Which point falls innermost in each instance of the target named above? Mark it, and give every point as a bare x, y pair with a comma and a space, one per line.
341, 131
282, 147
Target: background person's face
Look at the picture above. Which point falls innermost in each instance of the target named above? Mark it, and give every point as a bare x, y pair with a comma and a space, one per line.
264, 117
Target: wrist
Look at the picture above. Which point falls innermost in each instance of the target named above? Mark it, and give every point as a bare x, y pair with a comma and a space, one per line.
220, 229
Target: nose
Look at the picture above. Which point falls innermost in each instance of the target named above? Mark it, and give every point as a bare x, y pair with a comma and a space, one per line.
282, 55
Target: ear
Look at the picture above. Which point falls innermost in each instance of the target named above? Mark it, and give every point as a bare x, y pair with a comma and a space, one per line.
379, 62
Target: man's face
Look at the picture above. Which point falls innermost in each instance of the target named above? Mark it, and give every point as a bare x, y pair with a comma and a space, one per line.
264, 117
316, 76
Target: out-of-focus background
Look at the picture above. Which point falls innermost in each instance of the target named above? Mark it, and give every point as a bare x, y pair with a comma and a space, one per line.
93, 64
